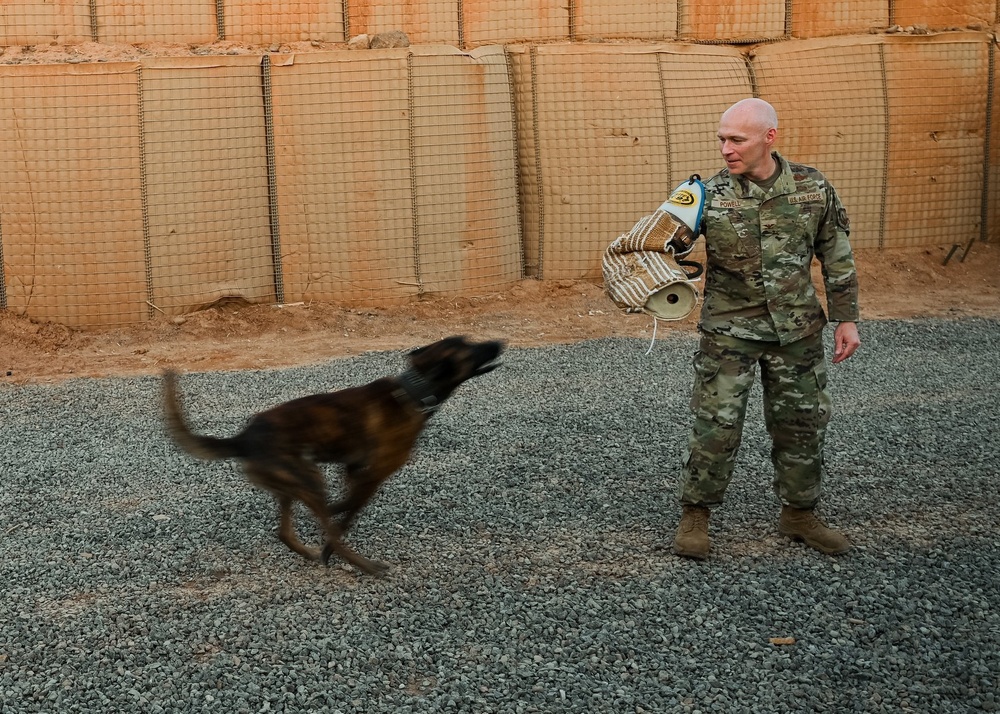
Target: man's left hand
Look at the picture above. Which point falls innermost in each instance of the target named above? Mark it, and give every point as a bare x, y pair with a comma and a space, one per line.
845, 341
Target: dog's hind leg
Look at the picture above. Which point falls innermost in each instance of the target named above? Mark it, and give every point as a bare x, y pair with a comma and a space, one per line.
312, 492
335, 544
286, 530
289, 480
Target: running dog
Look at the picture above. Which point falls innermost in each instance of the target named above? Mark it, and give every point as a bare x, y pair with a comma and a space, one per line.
370, 429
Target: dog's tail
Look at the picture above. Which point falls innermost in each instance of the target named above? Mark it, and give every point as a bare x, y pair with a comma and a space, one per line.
203, 447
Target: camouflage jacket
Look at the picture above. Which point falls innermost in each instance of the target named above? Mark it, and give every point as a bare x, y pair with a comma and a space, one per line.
760, 246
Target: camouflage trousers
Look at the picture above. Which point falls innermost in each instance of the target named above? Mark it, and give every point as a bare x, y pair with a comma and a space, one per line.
796, 412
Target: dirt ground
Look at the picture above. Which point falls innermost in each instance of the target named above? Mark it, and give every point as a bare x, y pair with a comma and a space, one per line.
894, 284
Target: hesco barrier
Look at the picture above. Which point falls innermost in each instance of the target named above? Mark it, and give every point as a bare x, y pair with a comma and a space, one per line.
606, 132
153, 187
472, 23
898, 122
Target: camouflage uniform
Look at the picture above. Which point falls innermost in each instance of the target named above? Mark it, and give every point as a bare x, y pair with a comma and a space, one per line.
761, 308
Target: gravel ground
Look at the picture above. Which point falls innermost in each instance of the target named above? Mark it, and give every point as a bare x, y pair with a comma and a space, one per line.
529, 542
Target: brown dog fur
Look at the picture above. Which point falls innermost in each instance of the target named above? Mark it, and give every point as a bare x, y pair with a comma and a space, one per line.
370, 429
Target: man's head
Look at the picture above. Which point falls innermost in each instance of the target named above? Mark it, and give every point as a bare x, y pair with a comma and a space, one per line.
747, 131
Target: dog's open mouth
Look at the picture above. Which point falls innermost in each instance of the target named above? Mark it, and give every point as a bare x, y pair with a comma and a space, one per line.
488, 366
492, 359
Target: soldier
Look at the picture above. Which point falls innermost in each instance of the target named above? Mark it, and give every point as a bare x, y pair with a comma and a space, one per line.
764, 220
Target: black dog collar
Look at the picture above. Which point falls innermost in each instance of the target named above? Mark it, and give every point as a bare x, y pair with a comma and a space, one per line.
418, 390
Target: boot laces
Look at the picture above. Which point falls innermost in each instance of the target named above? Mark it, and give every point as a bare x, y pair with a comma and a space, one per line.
695, 519
807, 520
811, 520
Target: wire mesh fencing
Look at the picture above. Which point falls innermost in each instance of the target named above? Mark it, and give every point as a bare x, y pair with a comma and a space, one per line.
510, 139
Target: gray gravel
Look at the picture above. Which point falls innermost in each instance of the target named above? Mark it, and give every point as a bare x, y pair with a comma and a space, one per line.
528, 539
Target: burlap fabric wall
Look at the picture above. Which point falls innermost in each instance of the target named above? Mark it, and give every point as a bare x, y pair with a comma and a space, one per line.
633, 19
71, 209
426, 22
937, 114
944, 14
472, 23
903, 128
746, 21
840, 126
897, 122
395, 174
819, 18
205, 179
991, 208
284, 21
605, 133
28, 22
154, 187
129, 21
341, 130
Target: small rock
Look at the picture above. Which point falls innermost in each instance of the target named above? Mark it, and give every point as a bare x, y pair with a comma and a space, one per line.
389, 40
359, 42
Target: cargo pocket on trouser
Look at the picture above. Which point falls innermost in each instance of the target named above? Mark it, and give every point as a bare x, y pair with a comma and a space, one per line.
706, 369
823, 400
798, 430
718, 405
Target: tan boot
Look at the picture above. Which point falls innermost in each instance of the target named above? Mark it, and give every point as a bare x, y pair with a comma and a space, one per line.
691, 540
802, 524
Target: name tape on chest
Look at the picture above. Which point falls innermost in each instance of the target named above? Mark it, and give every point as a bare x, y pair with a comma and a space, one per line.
728, 203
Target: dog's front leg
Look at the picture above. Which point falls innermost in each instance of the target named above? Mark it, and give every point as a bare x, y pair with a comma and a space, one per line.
336, 529
360, 487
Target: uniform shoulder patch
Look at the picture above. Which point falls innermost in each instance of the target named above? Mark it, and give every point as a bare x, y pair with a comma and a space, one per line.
843, 221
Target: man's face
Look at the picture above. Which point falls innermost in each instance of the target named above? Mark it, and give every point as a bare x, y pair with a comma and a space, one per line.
746, 146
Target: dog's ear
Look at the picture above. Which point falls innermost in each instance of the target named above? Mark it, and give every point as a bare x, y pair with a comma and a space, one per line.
418, 355
417, 351
453, 341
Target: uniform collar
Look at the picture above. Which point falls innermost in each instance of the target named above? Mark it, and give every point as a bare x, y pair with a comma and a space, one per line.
785, 184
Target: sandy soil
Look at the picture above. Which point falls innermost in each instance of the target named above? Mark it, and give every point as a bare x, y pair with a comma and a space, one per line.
894, 284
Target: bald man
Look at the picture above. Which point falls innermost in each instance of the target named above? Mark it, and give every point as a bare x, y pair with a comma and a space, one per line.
765, 220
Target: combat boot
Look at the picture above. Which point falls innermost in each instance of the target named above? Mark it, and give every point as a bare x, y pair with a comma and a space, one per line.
803, 524
691, 540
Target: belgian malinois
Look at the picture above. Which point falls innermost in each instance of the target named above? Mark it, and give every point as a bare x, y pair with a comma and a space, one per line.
370, 429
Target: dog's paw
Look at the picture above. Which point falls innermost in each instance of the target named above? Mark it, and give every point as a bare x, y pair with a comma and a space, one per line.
370, 567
